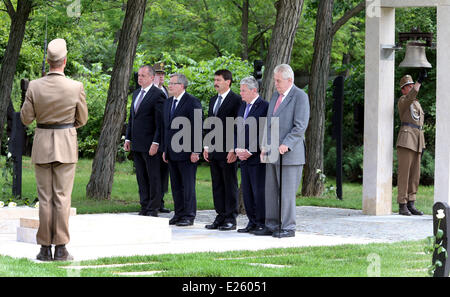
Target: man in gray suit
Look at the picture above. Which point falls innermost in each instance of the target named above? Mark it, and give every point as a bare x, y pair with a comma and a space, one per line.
284, 136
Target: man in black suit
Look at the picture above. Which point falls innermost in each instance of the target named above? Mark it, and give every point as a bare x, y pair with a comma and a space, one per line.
253, 172
222, 159
143, 137
182, 146
164, 168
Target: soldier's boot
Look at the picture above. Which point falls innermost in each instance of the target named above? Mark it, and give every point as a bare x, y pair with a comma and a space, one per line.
413, 209
45, 253
403, 210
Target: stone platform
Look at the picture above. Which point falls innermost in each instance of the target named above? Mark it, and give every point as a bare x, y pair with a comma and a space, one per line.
113, 235
10, 217
105, 229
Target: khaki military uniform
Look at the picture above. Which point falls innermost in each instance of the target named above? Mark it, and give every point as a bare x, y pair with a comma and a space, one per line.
410, 144
54, 100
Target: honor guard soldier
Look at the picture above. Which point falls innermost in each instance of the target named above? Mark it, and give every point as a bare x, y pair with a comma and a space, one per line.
58, 104
410, 144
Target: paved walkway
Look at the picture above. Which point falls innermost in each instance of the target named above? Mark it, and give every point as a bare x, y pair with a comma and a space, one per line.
316, 226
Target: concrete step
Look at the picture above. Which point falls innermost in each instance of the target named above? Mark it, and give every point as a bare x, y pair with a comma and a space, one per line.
10, 217
105, 229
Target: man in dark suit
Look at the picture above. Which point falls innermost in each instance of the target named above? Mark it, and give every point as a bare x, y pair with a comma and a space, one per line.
143, 137
221, 156
164, 168
182, 147
253, 172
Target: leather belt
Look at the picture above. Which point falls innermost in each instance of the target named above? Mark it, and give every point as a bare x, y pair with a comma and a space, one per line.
412, 125
55, 126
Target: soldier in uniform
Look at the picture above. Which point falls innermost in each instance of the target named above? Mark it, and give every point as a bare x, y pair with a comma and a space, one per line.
164, 168
410, 144
59, 106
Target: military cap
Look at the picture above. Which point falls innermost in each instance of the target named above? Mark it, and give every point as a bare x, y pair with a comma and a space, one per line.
159, 67
406, 80
56, 49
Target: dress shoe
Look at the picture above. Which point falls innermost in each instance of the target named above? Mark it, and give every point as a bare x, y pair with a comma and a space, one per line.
262, 231
164, 210
152, 213
45, 253
283, 233
247, 229
413, 209
214, 225
403, 210
61, 254
184, 223
142, 212
174, 220
227, 226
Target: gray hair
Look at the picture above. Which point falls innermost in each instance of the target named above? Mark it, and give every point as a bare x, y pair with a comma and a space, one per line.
181, 78
250, 82
150, 69
285, 70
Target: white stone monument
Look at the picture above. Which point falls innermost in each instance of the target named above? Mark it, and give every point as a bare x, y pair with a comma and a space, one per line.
379, 103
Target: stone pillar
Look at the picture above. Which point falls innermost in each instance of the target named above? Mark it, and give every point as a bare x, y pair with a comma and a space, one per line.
379, 112
442, 157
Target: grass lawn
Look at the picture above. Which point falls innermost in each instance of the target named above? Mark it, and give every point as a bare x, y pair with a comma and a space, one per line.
386, 260
125, 197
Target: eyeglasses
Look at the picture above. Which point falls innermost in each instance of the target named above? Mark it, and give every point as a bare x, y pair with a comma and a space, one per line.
174, 83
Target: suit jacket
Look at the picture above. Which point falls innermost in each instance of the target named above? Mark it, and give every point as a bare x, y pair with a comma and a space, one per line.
144, 126
258, 109
293, 116
411, 112
55, 99
229, 108
185, 110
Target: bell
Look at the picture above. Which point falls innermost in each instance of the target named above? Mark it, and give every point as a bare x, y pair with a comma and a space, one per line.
415, 57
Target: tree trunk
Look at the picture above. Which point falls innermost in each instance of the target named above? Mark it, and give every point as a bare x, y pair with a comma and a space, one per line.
312, 185
100, 183
244, 29
320, 69
283, 36
19, 20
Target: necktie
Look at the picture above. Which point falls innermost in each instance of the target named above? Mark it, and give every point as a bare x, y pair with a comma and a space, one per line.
247, 109
174, 105
138, 103
280, 98
219, 102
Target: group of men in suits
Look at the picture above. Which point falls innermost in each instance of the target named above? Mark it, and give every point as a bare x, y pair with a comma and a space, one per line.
153, 134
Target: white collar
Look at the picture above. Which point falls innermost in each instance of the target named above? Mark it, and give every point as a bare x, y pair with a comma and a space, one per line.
224, 95
147, 88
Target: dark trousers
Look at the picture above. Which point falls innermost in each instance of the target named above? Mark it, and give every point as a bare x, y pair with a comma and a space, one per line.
149, 180
225, 190
164, 172
182, 182
253, 180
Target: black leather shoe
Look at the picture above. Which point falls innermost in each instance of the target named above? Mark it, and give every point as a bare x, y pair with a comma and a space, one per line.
174, 220
152, 213
403, 210
247, 229
227, 226
184, 223
45, 253
214, 225
283, 233
61, 254
262, 231
142, 212
413, 209
164, 210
